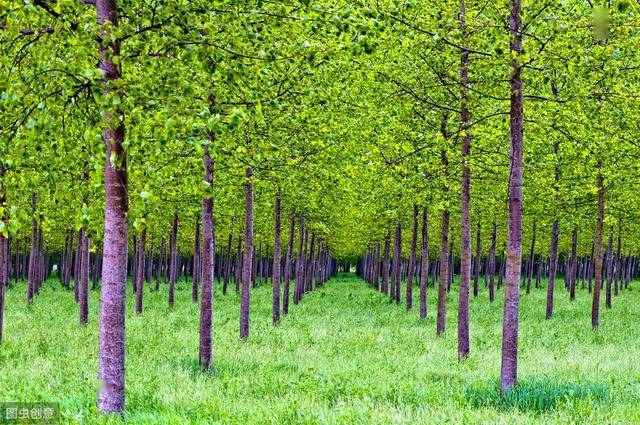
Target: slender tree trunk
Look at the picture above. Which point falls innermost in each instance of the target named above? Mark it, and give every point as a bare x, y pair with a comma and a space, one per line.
275, 278
609, 262
492, 262
412, 258
227, 266
196, 263
532, 257
574, 265
397, 258
174, 270
424, 267
84, 277
139, 277
553, 258
248, 257
287, 263
595, 309
385, 264
616, 286
4, 271
444, 256
208, 253
33, 257
509, 371
476, 272
299, 263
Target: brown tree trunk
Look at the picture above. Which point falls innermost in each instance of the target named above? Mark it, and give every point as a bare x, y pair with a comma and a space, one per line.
424, 267
196, 263
574, 265
385, 264
509, 371
84, 277
111, 370
33, 257
248, 256
444, 256
208, 250
412, 258
478, 262
4, 271
287, 264
465, 200
275, 277
609, 265
397, 261
595, 308
174, 270
139, 277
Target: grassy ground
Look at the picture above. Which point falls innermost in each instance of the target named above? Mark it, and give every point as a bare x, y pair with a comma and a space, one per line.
345, 355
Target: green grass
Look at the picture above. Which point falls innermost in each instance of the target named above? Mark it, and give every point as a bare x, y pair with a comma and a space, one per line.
345, 355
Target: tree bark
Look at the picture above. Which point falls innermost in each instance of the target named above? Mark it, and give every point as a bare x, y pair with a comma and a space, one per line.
111, 369
196, 263
248, 256
174, 270
553, 252
595, 308
287, 263
412, 258
609, 266
84, 277
208, 252
424, 267
275, 277
492, 262
574, 265
444, 256
509, 370
139, 277
385, 264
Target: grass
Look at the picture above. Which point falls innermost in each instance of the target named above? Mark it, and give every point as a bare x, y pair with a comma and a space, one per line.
343, 356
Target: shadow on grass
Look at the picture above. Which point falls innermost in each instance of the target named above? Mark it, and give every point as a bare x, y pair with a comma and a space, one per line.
535, 395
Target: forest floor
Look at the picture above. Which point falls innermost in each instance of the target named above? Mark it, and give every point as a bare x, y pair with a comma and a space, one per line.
345, 355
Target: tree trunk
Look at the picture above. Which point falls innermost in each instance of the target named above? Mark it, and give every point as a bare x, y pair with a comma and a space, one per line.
595, 308
84, 277
553, 254
444, 256
385, 264
574, 265
287, 264
196, 263
412, 258
4, 271
424, 267
248, 256
465, 200
492, 262
609, 265
208, 252
275, 278
509, 370
33, 257
299, 263
139, 277
111, 370
174, 270
476, 272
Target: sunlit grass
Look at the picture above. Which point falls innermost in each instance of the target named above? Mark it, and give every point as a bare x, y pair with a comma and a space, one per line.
344, 355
